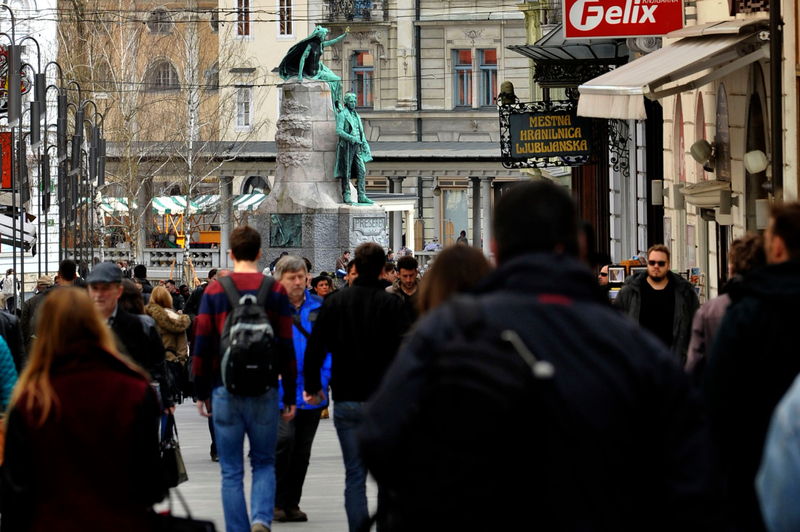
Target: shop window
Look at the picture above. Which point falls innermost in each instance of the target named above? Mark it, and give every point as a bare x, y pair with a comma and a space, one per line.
455, 214
488, 69
362, 73
463, 78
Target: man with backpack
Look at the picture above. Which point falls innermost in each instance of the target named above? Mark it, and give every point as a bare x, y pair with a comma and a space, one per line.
361, 327
243, 342
531, 403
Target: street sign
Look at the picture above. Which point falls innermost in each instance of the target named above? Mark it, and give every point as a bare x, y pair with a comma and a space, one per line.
550, 134
621, 18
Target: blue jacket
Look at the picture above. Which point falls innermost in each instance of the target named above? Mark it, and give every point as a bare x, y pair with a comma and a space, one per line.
308, 315
8, 374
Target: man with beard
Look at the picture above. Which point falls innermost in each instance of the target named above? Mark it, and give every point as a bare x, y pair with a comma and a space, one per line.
662, 302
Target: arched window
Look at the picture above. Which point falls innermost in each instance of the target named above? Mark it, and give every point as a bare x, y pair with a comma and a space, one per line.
679, 143
214, 21
163, 76
255, 184
159, 21
700, 133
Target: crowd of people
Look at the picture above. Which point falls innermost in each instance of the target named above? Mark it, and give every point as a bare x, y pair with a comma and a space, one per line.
449, 388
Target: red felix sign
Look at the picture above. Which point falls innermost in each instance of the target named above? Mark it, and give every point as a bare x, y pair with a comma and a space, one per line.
621, 18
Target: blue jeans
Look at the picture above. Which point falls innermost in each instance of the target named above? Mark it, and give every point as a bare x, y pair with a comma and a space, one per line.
347, 418
234, 416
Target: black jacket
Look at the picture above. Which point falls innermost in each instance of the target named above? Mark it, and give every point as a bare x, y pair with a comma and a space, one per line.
752, 363
629, 300
143, 344
177, 301
621, 439
12, 334
147, 289
28, 320
192, 306
361, 327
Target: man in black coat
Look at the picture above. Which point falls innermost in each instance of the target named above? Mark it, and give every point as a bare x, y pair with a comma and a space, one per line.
754, 361
140, 276
361, 327
607, 434
12, 333
661, 302
133, 337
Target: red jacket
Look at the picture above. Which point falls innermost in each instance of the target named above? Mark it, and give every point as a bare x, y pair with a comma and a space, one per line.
95, 463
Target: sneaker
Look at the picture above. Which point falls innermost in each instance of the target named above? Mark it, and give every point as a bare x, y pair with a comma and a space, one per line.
279, 516
214, 457
295, 515
260, 527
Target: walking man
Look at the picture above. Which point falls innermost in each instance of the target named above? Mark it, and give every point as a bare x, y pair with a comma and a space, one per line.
237, 415
296, 436
406, 285
177, 299
535, 400
753, 361
662, 302
361, 327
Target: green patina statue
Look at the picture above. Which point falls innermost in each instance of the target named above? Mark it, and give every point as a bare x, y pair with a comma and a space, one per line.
352, 152
304, 59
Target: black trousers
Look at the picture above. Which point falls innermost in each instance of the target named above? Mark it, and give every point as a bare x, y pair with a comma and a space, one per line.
294, 451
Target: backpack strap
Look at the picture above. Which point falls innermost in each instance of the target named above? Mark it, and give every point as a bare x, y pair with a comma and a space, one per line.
264, 290
231, 291
298, 323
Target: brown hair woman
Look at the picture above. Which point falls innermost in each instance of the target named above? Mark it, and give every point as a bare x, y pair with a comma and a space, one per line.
82, 449
456, 269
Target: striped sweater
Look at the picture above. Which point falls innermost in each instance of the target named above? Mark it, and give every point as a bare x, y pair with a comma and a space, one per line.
210, 321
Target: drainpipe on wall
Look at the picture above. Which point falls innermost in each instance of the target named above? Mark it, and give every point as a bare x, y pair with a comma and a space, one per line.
418, 53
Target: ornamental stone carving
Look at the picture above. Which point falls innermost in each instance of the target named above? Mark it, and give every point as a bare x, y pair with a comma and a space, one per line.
293, 158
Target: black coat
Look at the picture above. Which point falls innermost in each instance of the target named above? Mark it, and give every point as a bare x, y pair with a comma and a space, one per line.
142, 343
629, 300
753, 362
361, 327
620, 444
12, 334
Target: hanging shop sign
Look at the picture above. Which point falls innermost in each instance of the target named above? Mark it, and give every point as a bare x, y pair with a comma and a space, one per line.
541, 134
621, 18
5, 156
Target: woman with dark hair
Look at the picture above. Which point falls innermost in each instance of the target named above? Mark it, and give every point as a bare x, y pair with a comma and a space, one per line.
455, 270
81, 449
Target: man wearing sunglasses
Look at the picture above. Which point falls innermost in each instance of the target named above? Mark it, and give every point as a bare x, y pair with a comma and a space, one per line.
662, 302
602, 277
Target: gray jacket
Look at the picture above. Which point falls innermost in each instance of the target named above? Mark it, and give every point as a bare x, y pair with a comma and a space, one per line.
629, 301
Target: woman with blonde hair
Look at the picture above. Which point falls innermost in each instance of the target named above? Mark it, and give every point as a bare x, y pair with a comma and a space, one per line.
82, 450
172, 328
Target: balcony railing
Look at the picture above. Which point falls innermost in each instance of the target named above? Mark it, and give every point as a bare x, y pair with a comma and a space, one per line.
356, 10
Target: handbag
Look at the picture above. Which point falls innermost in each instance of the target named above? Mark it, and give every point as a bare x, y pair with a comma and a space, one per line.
167, 522
171, 460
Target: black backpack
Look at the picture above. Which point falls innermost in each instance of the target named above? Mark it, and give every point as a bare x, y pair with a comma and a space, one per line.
247, 345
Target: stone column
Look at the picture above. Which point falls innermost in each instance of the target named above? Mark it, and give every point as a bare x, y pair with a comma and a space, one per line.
486, 205
410, 230
397, 216
406, 56
143, 214
437, 213
476, 211
226, 218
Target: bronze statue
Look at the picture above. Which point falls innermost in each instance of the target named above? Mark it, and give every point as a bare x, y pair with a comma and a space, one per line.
304, 59
352, 152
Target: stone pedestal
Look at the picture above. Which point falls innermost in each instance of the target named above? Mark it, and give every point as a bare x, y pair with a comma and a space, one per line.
304, 214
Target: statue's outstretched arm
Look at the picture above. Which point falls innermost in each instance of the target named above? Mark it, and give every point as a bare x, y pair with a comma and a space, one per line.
337, 39
303, 64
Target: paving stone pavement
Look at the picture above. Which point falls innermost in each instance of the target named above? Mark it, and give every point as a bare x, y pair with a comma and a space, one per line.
323, 493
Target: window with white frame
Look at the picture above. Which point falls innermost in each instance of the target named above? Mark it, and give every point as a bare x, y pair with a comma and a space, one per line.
488, 69
362, 69
244, 107
463, 78
285, 22
159, 21
243, 18
163, 76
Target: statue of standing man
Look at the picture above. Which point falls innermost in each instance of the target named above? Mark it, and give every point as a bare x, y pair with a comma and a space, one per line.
352, 152
304, 59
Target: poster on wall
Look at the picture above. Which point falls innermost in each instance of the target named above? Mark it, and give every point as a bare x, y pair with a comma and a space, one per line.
691, 251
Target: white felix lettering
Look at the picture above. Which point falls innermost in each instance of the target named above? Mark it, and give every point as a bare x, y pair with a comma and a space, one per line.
586, 15
647, 14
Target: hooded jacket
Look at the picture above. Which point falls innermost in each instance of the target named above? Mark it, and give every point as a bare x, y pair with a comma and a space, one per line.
172, 328
629, 301
753, 362
616, 437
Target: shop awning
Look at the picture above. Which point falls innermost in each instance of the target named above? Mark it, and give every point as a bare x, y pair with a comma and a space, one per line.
114, 206
205, 204
619, 93
248, 202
